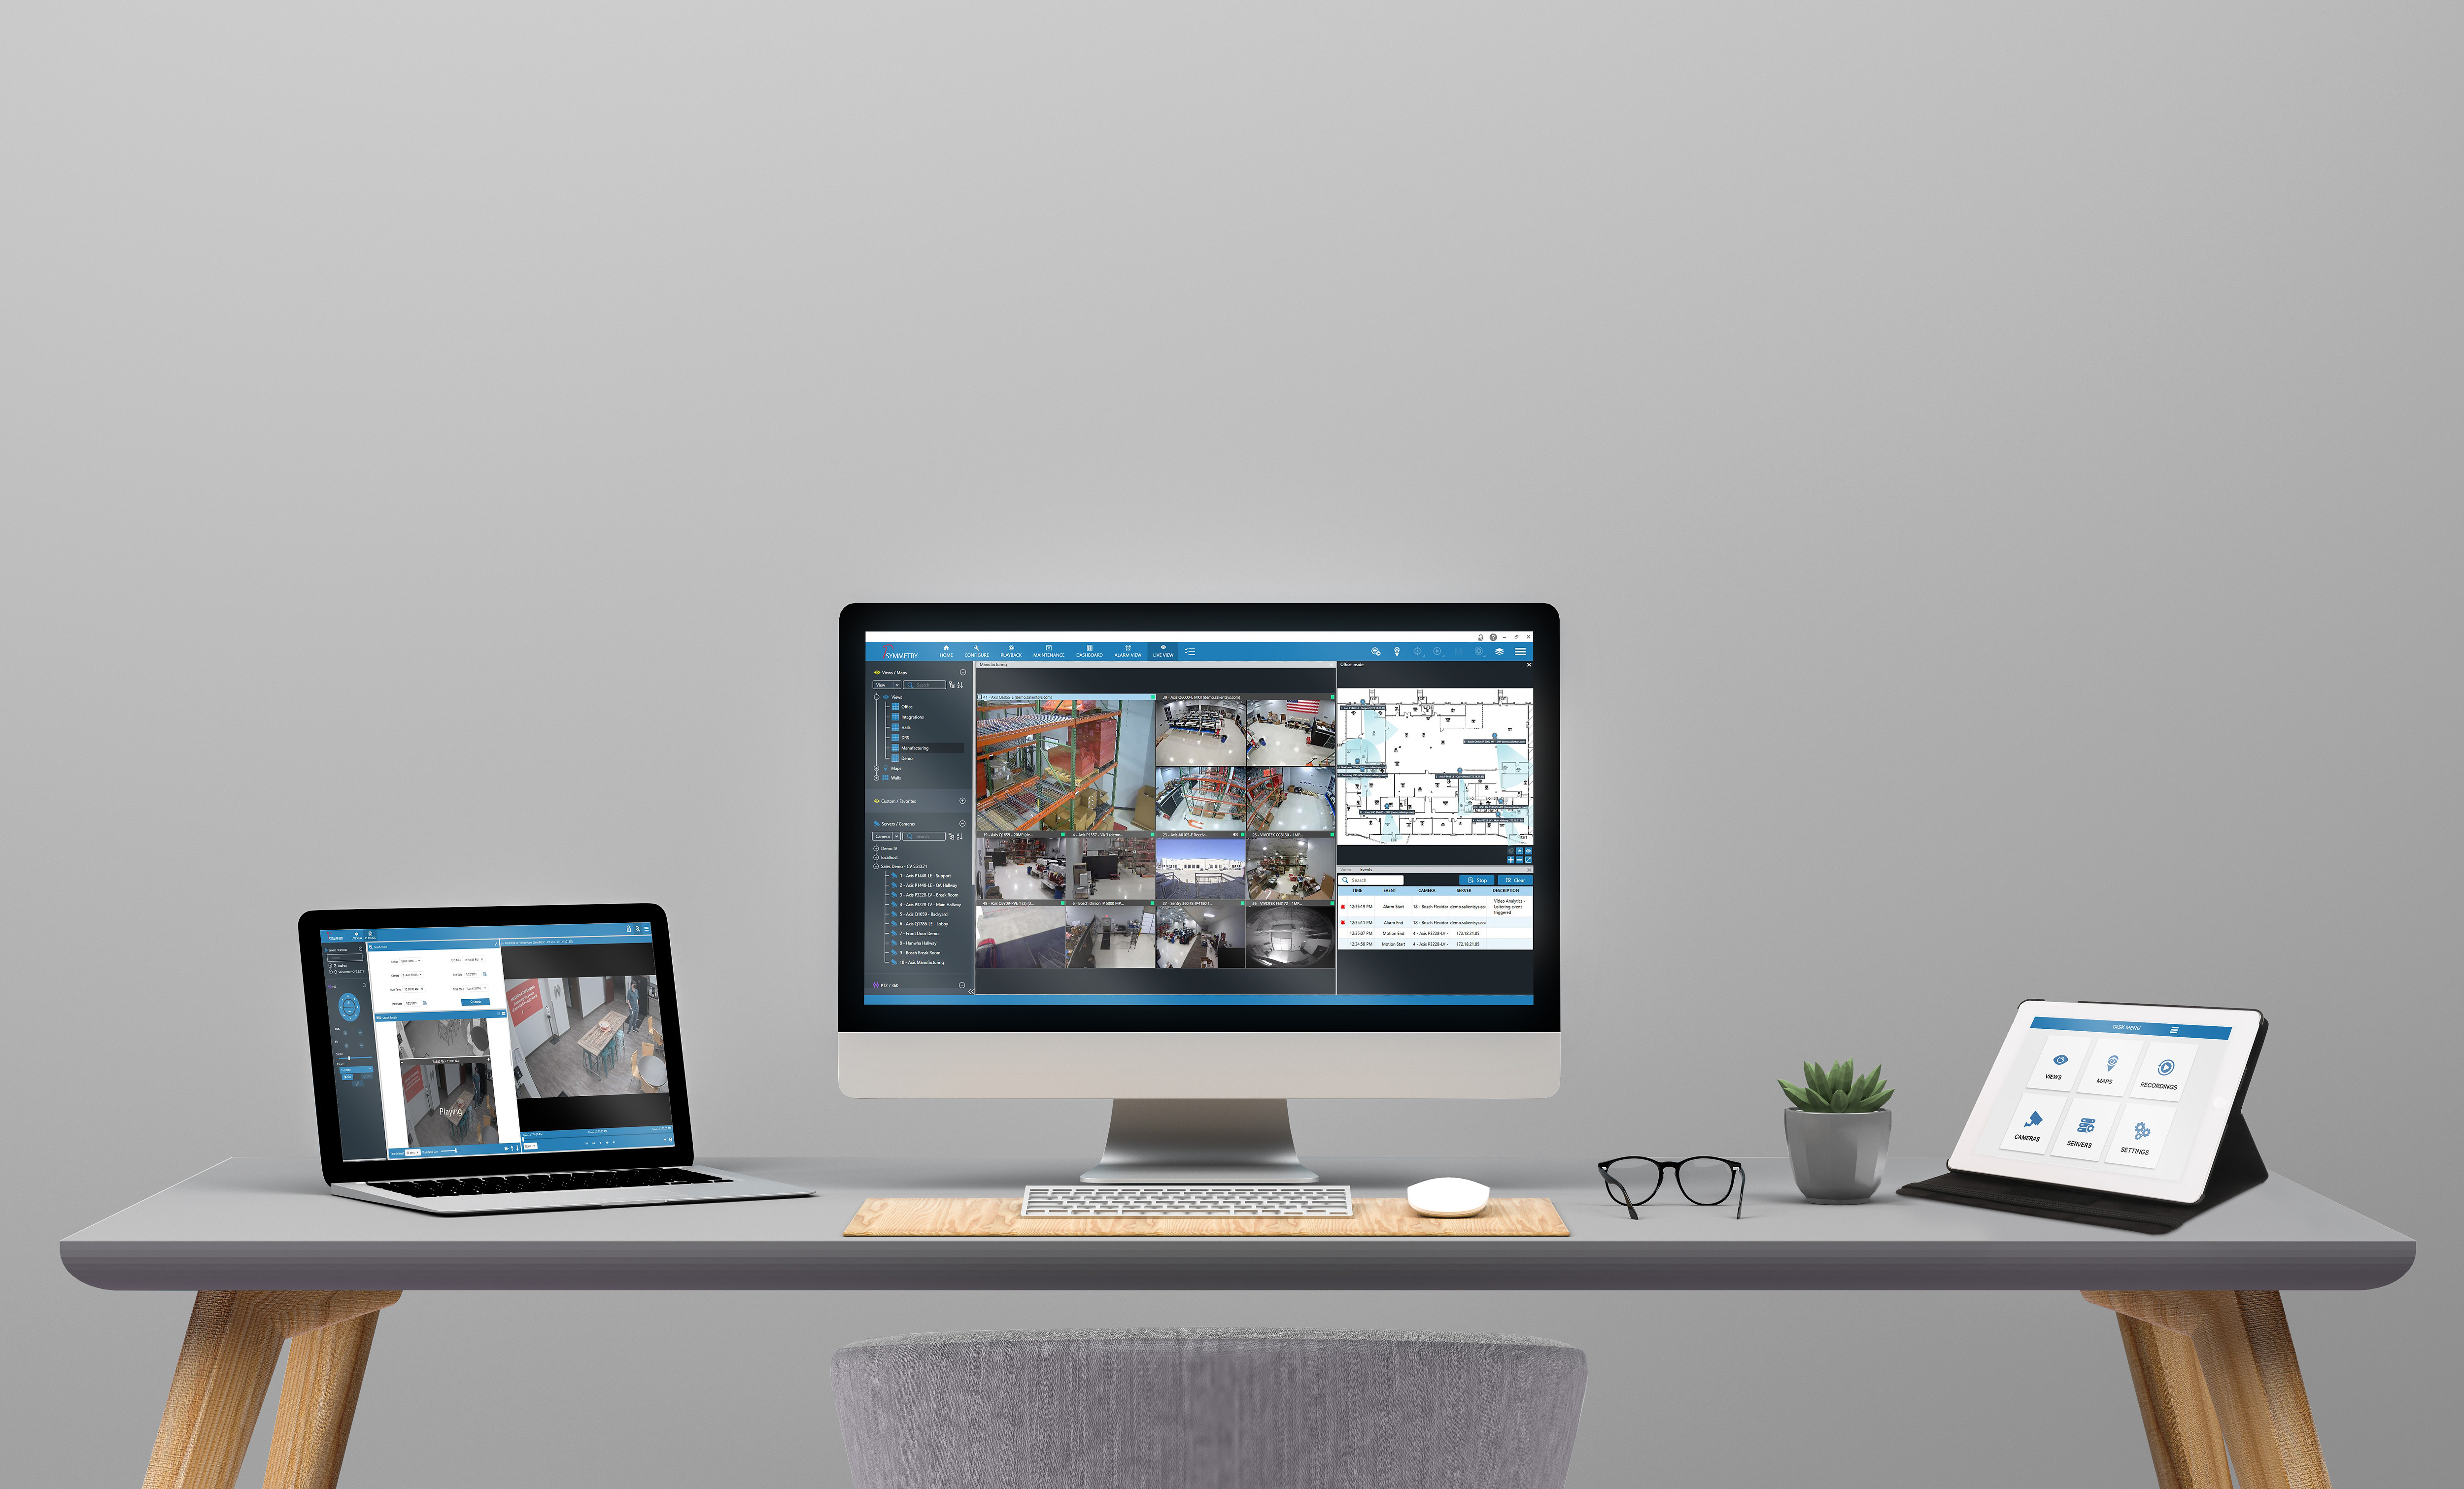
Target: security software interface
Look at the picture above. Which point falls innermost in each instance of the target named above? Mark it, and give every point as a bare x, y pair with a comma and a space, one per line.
2092, 1096
467, 1041
1090, 820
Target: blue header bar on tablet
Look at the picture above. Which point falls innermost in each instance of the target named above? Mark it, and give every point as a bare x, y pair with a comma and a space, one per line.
2170, 1031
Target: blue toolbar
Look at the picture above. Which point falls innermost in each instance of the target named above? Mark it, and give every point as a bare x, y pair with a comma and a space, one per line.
1197, 651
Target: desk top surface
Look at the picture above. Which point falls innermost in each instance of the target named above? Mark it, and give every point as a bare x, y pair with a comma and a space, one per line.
270, 1223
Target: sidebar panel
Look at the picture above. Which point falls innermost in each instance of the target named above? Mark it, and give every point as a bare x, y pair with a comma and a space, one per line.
919, 736
351, 1029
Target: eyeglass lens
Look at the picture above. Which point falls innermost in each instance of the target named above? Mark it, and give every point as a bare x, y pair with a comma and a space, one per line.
1705, 1181
1636, 1177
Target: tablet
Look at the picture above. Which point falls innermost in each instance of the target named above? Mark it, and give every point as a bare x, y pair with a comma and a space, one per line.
2129, 1098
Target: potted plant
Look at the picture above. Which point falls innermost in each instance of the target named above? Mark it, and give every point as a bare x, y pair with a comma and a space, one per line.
1839, 1132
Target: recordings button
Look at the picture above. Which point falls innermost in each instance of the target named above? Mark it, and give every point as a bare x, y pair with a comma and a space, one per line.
2139, 1132
2163, 1071
2085, 1128
2032, 1124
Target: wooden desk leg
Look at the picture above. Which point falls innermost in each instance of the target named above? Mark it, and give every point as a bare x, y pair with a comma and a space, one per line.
2216, 1374
2183, 1436
226, 1361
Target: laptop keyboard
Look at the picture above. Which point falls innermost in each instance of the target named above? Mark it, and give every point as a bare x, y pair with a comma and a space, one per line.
540, 1183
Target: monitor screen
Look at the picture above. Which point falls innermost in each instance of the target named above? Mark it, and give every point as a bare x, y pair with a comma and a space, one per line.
1055, 828
463, 1042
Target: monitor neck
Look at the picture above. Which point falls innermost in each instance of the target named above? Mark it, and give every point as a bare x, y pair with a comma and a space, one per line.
1200, 1142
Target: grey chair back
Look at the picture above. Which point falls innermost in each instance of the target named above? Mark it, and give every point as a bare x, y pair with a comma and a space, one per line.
1185, 1408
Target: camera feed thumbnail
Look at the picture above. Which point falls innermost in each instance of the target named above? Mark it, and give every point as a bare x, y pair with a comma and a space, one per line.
1194, 732
1105, 935
1288, 731
1199, 868
1015, 867
1200, 937
447, 1089
1291, 799
1063, 764
1292, 935
1112, 866
588, 1035
1227, 731
1200, 798
1291, 868
1021, 935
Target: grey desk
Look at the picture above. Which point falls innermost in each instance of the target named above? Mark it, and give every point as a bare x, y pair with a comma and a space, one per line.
271, 1254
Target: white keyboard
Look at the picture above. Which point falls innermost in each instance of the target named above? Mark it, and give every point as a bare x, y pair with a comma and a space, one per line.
1193, 1199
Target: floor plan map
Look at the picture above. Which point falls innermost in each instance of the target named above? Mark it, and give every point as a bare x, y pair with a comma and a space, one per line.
1425, 764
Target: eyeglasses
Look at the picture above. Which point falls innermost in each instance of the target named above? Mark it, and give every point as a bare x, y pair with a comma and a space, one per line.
1704, 1180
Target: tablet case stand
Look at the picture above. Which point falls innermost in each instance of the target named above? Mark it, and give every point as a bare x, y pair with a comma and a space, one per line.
2238, 1168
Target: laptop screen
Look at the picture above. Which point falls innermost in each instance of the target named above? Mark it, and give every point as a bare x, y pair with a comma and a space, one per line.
478, 1041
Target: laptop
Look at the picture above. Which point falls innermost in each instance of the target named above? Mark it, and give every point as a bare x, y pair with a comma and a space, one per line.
475, 1060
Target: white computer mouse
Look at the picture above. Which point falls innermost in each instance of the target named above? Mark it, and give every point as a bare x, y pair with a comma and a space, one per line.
1447, 1199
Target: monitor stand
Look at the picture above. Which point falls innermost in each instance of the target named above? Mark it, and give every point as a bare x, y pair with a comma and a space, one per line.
1200, 1142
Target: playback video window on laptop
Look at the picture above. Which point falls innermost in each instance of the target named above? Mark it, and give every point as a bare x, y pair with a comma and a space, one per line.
465, 1040
1077, 824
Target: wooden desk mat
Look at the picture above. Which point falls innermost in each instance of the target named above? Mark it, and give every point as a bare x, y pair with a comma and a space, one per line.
1369, 1217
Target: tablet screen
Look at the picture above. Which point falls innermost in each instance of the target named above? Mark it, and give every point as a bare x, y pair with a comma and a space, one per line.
2131, 1098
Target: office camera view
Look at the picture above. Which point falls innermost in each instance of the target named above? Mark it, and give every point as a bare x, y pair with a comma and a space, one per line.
587, 1036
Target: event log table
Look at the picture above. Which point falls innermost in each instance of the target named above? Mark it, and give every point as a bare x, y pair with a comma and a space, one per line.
1481, 912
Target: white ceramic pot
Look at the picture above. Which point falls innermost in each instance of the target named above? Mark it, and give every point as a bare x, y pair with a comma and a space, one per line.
1837, 1155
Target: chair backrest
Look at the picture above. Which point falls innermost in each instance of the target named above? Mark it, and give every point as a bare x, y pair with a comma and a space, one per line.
1178, 1408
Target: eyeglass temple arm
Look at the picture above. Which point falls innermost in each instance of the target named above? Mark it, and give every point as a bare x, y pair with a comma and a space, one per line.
1741, 1189
1631, 1212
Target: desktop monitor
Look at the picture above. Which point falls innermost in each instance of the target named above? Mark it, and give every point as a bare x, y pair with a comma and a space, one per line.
1198, 859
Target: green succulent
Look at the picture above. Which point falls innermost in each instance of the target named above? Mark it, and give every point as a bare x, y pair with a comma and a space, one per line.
1840, 1088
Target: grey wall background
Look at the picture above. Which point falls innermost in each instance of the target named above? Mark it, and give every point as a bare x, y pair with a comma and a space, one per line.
1998, 467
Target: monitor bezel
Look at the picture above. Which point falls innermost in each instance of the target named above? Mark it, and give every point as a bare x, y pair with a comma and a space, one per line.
1164, 623
329, 1127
